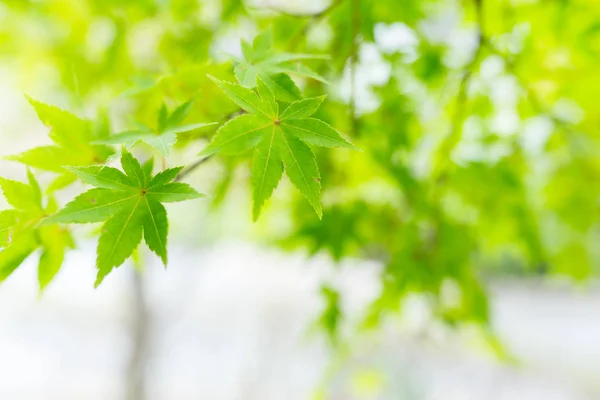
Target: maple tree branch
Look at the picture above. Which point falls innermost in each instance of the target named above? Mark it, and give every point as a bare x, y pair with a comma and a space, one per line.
461, 98
468, 72
356, 22
191, 168
136, 381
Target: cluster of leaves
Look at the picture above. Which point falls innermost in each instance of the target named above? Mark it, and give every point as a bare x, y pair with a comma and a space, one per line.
440, 191
22, 231
164, 136
130, 202
262, 61
75, 143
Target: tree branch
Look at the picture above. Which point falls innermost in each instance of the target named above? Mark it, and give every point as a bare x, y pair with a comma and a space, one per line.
136, 372
356, 23
191, 168
461, 98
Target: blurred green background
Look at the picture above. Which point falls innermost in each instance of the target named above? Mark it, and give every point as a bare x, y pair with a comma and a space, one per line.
478, 125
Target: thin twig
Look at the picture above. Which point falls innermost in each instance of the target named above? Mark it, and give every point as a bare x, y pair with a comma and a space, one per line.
468, 73
191, 168
461, 98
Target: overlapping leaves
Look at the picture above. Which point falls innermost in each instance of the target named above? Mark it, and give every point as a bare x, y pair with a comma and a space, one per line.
74, 143
164, 135
21, 233
131, 205
279, 139
262, 61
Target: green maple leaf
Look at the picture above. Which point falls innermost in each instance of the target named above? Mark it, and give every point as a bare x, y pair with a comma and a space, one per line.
272, 66
73, 139
164, 136
279, 140
131, 205
21, 233
8, 219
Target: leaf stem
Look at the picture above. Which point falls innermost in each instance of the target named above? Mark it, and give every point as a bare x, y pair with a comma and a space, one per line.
187, 171
191, 168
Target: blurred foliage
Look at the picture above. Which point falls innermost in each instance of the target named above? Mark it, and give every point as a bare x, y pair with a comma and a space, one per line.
476, 120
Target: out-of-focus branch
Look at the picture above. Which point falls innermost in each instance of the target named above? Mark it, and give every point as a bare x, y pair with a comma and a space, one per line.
136, 371
467, 74
356, 22
462, 97
135, 386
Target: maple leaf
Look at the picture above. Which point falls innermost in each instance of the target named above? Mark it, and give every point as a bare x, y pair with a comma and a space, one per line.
131, 205
73, 139
8, 219
21, 234
279, 140
164, 136
272, 66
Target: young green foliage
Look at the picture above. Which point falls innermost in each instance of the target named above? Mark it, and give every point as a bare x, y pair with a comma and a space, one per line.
164, 136
21, 233
74, 144
131, 205
279, 139
263, 61
430, 197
